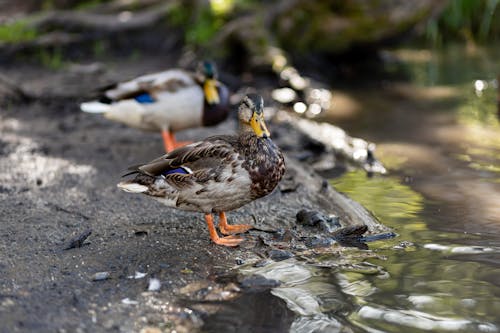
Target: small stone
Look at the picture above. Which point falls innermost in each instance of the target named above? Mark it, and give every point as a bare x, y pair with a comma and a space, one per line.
261, 263
99, 276
316, 241
353, 231
154, 284
403, 245
258, 283
78, 240
309, 217
150, 330
330, 225
279, 255
128, 301
137, 275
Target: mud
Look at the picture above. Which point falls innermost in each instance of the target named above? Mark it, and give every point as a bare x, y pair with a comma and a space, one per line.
58, 173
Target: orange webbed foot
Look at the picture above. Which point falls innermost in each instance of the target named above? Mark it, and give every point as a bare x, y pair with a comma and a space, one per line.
227, 229
226, 241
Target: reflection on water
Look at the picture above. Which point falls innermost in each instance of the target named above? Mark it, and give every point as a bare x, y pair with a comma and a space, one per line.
429, 288
448, 280
432, 284
440, 139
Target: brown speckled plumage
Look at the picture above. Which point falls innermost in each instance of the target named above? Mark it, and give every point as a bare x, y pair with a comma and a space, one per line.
218, 174
210, 160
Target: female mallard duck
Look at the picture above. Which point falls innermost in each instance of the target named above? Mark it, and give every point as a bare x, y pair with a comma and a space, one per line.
218, 174
169, 101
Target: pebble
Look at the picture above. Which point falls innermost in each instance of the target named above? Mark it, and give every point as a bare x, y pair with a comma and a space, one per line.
258, 282
261, 263
128, 301
154, 284
137, 275
313, 242
78, 240
314, 218
151, 330
309, 217
279, 255
99, 276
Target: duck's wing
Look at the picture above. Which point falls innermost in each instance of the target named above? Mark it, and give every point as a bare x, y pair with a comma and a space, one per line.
146, 85
194, 159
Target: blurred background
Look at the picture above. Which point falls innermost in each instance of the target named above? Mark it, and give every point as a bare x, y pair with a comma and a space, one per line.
419, 78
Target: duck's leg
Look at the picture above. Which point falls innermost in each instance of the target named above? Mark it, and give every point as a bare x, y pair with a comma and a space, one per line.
227, 229
226, 241
170, 142
167, 140
178, 144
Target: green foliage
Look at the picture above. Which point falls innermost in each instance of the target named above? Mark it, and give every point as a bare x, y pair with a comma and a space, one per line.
201, 23
51, 58
19, 31
205, 27
466, 19
99, 48
88, 4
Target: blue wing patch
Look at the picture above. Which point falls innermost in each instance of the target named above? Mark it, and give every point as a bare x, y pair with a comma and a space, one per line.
181, 170
144, 98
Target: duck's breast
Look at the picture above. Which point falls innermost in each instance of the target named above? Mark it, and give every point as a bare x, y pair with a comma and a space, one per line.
176, 110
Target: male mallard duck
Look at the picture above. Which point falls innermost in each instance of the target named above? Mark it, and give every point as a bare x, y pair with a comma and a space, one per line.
168, 101
218, 174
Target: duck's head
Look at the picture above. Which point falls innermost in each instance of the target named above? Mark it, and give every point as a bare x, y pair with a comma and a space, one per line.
251, 115
209, 73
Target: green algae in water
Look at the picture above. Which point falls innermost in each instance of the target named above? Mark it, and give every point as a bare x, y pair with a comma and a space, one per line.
386, 197
479, 107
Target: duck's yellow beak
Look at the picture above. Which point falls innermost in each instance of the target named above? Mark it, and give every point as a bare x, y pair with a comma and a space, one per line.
210, 90
259, 126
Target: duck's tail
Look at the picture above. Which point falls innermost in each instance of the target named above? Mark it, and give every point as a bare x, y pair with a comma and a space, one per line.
132, 187
95, 107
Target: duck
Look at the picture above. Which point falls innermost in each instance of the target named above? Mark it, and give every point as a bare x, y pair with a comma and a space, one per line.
167, 101
216, 175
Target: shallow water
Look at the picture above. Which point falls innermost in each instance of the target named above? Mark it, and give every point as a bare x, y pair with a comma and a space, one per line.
439, 137
442, 143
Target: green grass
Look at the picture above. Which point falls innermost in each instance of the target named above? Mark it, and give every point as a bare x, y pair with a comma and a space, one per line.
476, 20
16, 32
52, 59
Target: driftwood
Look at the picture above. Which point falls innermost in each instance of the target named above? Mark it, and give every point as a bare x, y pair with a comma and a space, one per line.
103, 23
64, 28
354, 151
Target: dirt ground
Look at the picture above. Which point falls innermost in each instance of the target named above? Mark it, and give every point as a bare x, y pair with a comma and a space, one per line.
58, 173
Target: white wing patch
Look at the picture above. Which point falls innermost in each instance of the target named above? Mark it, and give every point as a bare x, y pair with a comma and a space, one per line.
132, 187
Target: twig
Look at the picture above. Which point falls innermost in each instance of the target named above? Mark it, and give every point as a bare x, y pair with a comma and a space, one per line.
78, 240
103, 23
14, 88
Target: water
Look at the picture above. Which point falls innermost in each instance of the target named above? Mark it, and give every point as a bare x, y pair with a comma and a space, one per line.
439, 136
